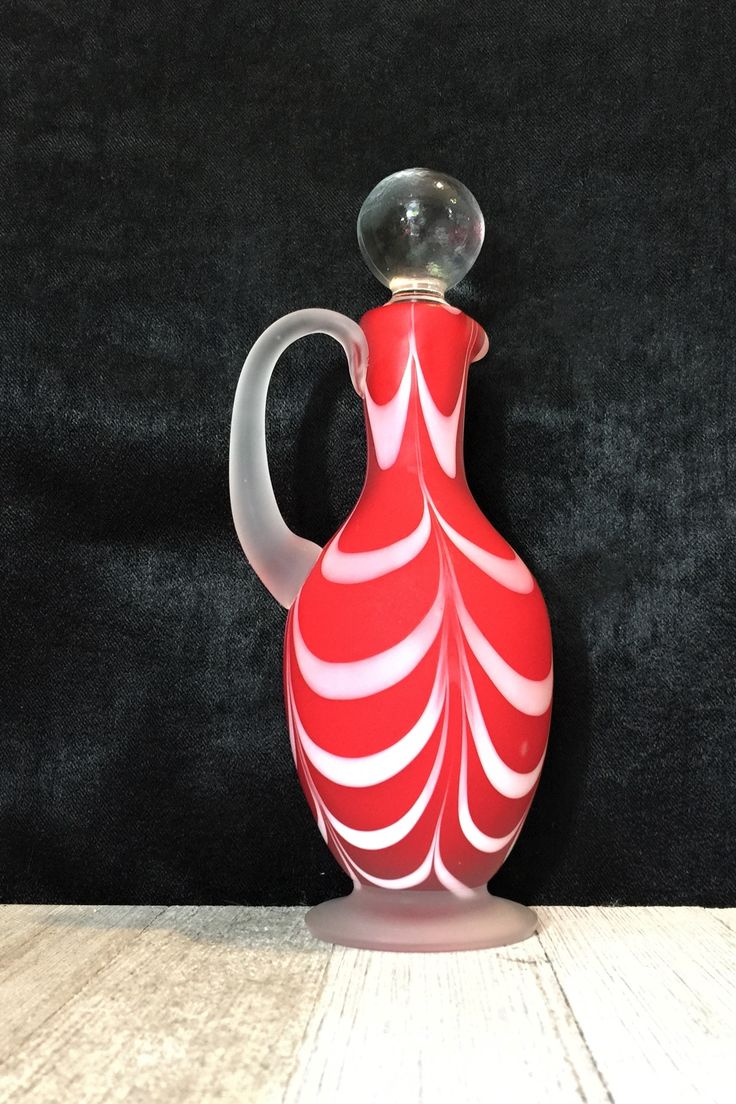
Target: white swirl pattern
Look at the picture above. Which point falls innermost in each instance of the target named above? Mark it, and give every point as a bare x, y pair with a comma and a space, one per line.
350, 681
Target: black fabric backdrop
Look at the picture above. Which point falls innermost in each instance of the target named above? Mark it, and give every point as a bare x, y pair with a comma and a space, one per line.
175, 177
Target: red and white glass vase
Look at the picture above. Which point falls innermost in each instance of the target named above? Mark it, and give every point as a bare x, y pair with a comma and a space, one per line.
417, 658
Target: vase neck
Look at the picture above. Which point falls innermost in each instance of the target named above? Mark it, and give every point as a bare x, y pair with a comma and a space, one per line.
415, 389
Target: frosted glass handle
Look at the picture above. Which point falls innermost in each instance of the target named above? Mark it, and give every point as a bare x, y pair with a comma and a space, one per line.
280, 558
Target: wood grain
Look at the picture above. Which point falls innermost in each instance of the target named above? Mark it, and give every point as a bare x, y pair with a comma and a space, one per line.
207, 1004
726, 915
654, 993
240, 1004
455, 1027
47, 955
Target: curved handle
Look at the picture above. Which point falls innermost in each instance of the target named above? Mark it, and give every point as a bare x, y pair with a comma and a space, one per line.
280, 558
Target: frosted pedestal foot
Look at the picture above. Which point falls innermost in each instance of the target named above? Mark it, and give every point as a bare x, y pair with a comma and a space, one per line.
420, 920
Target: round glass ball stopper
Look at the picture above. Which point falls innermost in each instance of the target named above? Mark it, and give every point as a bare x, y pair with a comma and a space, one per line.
420, 231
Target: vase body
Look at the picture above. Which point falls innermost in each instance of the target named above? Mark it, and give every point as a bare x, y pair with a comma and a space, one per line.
417, 662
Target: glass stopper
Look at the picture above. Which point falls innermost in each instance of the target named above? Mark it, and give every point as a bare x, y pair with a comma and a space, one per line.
420, 231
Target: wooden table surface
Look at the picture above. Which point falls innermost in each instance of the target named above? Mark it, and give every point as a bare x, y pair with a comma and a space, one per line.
240, 1004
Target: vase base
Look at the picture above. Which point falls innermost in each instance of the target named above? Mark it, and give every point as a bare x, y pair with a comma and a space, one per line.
420, 920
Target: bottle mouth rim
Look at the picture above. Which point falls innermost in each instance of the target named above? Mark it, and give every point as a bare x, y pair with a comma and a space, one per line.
403, 287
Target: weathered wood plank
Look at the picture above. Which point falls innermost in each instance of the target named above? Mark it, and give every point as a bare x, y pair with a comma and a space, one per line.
726, 915
654, 993
465, 1027
206, 1004
48, 954
20, 924
236, 1004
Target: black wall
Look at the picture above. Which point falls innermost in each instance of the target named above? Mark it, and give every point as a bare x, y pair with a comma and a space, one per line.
174, 177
